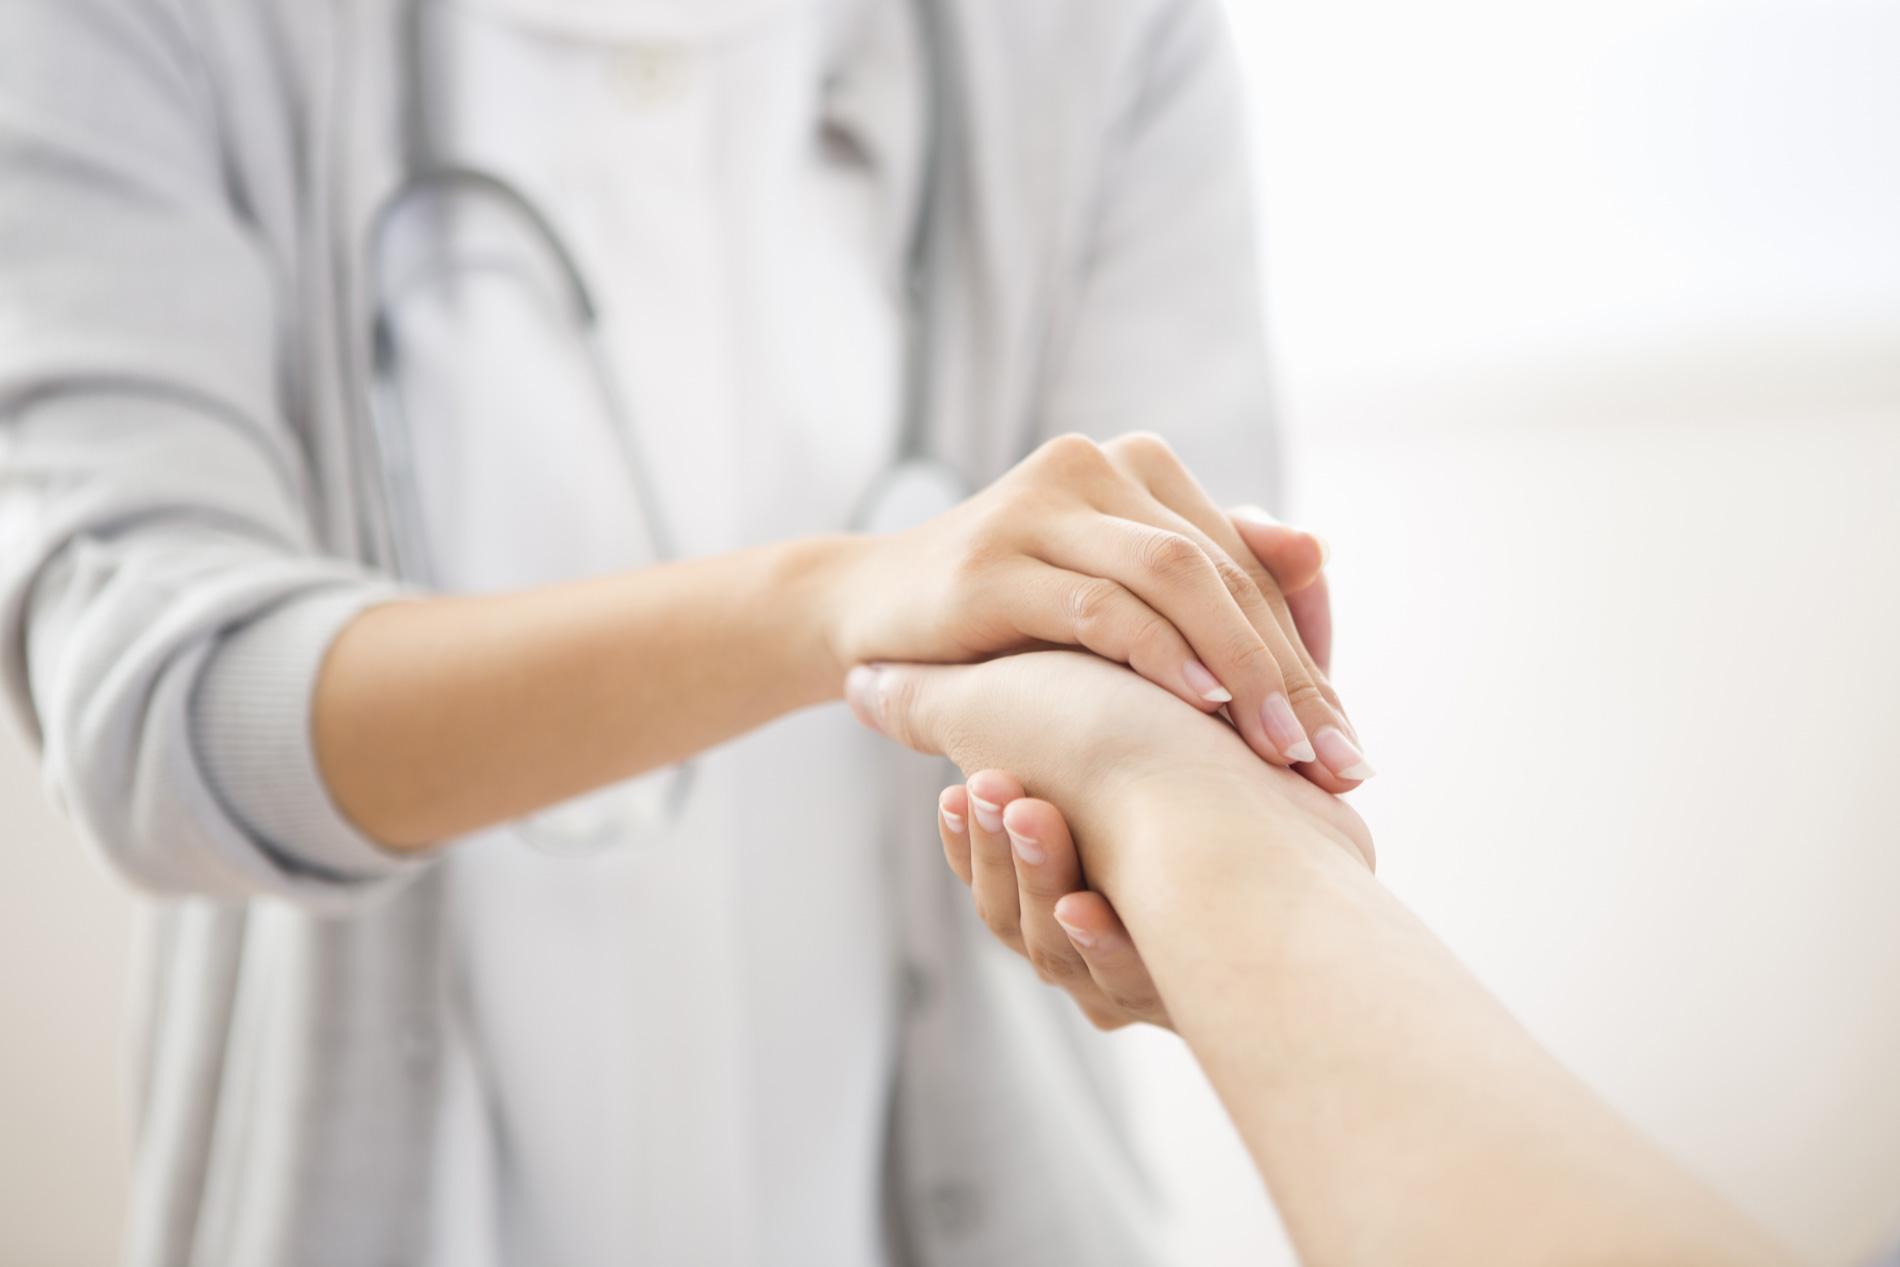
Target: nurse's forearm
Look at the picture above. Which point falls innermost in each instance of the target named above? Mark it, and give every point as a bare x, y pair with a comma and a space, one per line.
441, 716
1399, 1115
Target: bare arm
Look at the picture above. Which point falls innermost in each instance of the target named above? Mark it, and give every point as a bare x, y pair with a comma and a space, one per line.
440, 716
1398, 1114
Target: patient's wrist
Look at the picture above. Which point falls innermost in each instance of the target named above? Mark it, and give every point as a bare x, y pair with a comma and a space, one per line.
1175, 837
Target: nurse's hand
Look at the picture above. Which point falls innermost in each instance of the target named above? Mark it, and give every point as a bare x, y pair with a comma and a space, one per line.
1117, 549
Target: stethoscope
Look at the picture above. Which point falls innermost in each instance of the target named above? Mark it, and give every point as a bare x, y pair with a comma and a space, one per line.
912, 487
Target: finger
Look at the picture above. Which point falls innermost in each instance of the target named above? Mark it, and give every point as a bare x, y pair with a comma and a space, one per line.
1147, 461
953, 818
1312, 609
1046, 870
1138, 478
992, 867
1297, 561
1068, 608
1219, 610
911, 703
1293, 556
1309, 610
1103, 942
1309, 705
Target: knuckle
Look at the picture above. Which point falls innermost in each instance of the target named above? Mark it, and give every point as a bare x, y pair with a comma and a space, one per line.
1301, 693
1245, 650
1071, 452
1052, 967
899, 707
1145, 448
1000, 920
1170, 556
1152, 637
1091, 602
1134, 1000
1244, 588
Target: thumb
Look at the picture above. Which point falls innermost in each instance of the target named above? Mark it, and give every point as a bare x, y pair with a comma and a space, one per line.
899, 701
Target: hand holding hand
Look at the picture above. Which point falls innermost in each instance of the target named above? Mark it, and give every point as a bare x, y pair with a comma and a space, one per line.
1114, 548
1105, 746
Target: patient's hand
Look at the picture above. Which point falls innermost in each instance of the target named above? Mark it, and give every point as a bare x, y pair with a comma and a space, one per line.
1105, 746
1017, 856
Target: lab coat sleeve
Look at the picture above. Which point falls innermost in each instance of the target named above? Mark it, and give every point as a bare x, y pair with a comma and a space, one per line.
164, 608
1163, 331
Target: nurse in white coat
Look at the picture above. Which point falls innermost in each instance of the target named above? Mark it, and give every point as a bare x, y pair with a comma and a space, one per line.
711, 1041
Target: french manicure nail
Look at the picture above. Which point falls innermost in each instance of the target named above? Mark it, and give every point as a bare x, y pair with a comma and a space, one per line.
1028, 848
989, 817
1076, 935
1205, 684
953, 821
1340, 755
1325, 550
1253, 514
1284, 729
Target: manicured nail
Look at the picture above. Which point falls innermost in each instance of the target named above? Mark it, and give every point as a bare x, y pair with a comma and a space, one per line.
1339, 754
953, 821
1253, 514
989, 817
1076, 935
1028, 848
1325, 550
1284, 729
1205, 684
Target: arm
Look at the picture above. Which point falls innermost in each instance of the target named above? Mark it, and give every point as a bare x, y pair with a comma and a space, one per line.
229, 709
436, 717
1397, 1112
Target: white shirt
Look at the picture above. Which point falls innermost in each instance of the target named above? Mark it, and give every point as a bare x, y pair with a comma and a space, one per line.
678, 1050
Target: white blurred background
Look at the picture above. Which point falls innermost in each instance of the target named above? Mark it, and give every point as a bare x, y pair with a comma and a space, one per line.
1588, 319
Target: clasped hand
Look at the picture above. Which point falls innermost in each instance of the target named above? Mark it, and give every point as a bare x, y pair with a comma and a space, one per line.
1118, 550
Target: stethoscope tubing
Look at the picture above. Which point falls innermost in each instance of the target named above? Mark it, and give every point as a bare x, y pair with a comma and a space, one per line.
391, 438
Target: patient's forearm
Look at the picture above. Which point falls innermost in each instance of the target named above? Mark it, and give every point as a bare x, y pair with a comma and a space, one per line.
1398, 1114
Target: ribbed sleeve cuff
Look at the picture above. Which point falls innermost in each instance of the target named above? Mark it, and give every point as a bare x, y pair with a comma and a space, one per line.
251, 728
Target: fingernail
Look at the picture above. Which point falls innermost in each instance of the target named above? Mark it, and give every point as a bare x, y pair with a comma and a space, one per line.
953, 821
1325, 550
860, 691
1076, 935
1253, 514
1339, 754
1284, 729
989, 817
1028, 848
1205, 684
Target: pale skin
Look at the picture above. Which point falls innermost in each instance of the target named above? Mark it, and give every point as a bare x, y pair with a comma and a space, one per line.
1399, 1115
444, 715
1032, 898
